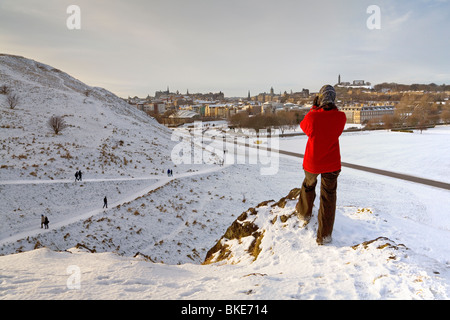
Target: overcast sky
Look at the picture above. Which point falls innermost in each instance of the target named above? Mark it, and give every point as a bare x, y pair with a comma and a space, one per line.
137, 47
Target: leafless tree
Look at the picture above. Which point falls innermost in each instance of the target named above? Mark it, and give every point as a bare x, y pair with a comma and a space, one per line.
445, 116
421, 112
57, 124
13, 100
4, 89
388, 121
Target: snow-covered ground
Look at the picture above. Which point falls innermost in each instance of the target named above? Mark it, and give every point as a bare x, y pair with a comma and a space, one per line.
151, 241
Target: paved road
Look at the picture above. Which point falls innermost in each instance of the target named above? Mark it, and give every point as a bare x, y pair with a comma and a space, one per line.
428, 182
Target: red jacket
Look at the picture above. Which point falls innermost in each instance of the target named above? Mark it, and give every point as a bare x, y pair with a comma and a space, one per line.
323, 129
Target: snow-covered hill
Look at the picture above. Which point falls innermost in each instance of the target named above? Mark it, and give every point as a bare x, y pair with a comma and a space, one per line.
124, 155
209, 231
105, 138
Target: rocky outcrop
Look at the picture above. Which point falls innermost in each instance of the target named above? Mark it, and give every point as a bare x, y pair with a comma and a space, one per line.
247, 231
256, 230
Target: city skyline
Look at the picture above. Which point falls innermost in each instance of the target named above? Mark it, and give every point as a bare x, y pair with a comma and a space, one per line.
138, 47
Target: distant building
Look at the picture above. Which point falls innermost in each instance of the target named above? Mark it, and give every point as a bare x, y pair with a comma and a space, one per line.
354, 84
158, 94
360, 114
185, 114
218, 110
156, 107
305, 93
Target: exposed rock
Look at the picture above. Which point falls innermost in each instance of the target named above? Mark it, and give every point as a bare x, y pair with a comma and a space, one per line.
247, 232
243, 240
292, 195
242, 227
82, 246
380, 243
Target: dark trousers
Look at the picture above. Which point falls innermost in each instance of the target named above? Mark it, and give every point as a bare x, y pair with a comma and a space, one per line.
327, 209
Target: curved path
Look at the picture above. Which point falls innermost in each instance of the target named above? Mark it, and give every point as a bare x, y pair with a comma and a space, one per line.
160, 181
406, 177
163, 181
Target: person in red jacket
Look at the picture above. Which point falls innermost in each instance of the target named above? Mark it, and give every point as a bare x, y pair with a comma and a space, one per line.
323, 125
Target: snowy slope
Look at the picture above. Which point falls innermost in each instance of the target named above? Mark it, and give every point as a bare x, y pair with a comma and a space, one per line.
370, 258
104, 132
148, 211
390, 239
119, 149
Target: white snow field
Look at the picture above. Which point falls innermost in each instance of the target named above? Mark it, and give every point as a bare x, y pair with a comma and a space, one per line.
390, 239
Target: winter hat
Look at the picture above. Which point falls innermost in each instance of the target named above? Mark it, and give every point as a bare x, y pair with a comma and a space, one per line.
327, 95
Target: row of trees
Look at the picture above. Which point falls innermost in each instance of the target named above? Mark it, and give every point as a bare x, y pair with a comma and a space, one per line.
432, 87
393, 92
281, 120
412, 110
419, 111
